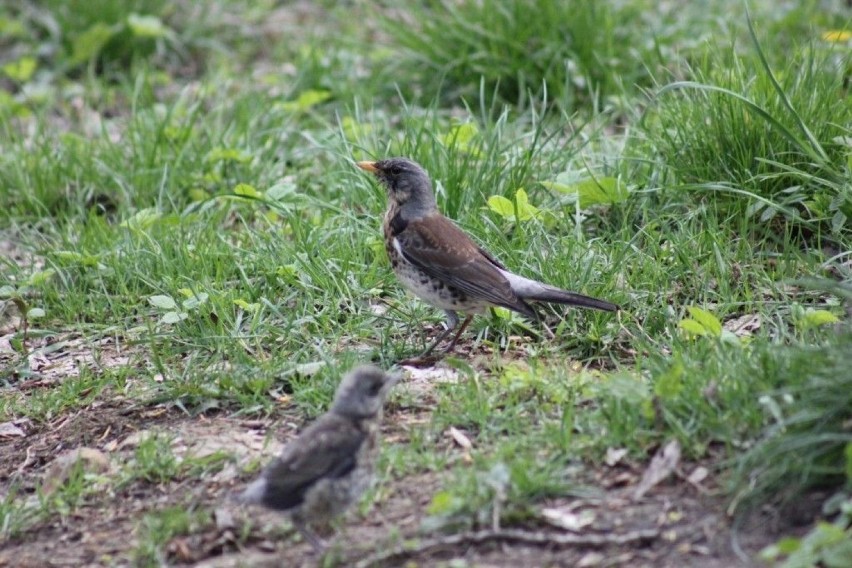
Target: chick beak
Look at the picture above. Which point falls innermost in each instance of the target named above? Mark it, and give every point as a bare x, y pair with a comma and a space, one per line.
368, 166
391, 380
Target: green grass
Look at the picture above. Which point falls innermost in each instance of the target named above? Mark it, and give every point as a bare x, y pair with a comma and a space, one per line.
162, 526
781, 136
192, 199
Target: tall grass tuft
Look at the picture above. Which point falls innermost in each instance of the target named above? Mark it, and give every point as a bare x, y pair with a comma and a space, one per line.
779, 137
579, 51
808, 444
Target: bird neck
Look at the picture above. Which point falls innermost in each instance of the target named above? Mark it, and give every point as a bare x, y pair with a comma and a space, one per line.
414, 210
359, 419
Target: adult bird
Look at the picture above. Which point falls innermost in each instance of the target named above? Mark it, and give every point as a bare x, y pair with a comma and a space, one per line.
439, 263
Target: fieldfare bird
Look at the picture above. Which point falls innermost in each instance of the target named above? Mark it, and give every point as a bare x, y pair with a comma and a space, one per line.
330, 464
438, 262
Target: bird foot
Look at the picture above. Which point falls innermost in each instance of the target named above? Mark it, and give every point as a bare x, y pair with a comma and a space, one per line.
425, 360
318, 544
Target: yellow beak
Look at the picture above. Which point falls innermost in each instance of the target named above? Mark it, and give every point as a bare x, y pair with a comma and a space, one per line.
368, 166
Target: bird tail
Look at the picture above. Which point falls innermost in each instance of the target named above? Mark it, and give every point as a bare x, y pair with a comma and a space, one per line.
551, 294
532, 290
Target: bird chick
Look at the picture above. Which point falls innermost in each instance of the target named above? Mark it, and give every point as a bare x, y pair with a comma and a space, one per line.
330, 464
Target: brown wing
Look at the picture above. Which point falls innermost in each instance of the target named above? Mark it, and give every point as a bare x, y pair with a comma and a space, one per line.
326, 449
439, 248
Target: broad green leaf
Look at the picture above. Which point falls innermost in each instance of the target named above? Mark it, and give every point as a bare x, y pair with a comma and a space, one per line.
163, 302
7, 291
195, 301
147, 26
707, 320
815, 318
788, 545
246, 190
508, 210
501, 206
89, 44
592, 191
526, 211
142, 219
306, 100
173, 317
443, 503
692, 327
40, 277
502, 313
249, 307
21, 70
289, 271
35, 313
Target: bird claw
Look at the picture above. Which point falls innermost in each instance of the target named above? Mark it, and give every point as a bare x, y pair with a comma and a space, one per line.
425, 360
317, 543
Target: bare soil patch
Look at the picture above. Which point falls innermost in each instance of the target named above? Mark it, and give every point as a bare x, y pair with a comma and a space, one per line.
689, 526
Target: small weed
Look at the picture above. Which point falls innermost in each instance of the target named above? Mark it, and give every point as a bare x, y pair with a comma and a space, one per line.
157, 529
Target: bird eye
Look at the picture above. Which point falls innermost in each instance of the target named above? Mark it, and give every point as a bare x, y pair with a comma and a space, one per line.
395, 170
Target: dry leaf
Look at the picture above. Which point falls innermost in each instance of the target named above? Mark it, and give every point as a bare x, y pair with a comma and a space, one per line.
591, 559
6, 346
459, 438
698, 475
90, 459
432, 374
614, 455
743, 325
11, 430
568, 520
662, 465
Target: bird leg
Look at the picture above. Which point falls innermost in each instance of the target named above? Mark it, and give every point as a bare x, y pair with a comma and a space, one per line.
318, 544
458, 334
426, 358
451, 322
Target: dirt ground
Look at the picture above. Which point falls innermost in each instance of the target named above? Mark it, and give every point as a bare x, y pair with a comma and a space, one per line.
679, 522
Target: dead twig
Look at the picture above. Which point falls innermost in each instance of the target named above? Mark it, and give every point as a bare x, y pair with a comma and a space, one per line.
539, 538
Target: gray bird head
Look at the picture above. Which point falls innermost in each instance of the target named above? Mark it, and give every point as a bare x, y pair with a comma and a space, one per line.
407, 183
362, 392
